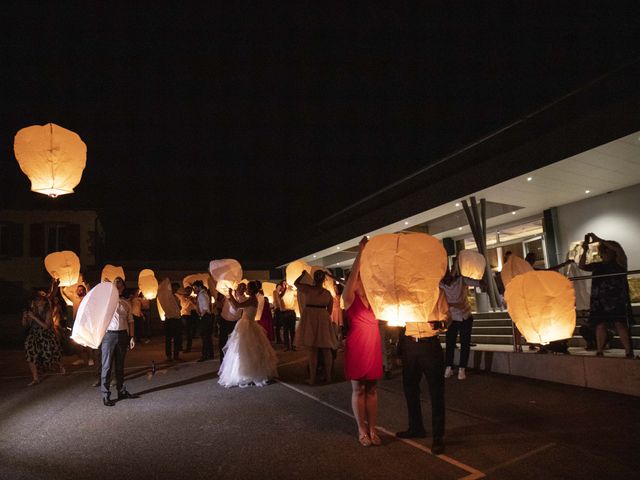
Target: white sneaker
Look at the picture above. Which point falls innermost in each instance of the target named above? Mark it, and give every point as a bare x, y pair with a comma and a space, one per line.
448, 372
78, 362
461, 374
91, 363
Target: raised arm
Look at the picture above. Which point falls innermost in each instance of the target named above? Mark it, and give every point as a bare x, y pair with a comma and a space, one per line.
349, 293
621, 257
582, 263
303, 287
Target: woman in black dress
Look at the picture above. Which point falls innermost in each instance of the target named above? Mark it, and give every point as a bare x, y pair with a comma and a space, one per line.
610, 301
42, 346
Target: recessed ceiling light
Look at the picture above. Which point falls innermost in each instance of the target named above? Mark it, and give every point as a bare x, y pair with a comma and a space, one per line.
406, 223
513, 213
338, 263
587, 191
337, 248
314, 256
459, 228
457, 204
529, 179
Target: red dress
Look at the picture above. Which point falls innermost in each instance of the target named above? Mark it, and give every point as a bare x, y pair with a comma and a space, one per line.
363, 347
266, 321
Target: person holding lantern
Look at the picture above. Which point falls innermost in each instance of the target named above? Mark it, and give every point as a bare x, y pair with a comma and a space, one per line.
610, 299
249, 357
230, 315
315, 331
422, 354
42, 346
118, 339
362, 355
454, 287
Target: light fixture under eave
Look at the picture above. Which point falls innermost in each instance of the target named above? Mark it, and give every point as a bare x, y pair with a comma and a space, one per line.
458, 204
529, 179
406, 223
52, 157
587, 191
513, 213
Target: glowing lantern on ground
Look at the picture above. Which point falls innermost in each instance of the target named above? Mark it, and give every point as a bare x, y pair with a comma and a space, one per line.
110, 272
472, 264
269, 289
94, 315
295, 269
167, 302
401, 274
63, 266
52, 157
542, 305
515, 266
148, 284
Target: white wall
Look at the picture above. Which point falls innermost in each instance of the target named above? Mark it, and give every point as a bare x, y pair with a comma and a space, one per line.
612, 216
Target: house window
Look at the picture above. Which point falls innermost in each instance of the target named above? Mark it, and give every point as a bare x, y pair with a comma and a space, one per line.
11, 239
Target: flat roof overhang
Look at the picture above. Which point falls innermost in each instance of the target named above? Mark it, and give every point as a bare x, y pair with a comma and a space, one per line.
584, 120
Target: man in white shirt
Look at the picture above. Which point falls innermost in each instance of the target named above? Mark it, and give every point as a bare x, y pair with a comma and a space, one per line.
116, 342
230, 316
287, 314
203, 306
422, 354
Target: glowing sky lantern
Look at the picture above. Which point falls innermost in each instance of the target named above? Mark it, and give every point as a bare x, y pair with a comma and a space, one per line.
148, 284
542, 305
269, 289
110, 272
401, 274
472, 264
52, 157
205, 278
167, 302
94, 315
63, 266
226, 272
515, 266
295, 269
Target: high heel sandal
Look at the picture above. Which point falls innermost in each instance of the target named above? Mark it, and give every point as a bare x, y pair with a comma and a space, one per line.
364, 440
34, 382
375, 439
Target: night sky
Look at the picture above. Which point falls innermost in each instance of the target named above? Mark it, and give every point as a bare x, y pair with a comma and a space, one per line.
229, 131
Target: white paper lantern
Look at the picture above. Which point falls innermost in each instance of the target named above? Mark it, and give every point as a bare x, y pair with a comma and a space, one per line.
148, 284
110, 272
295, 269
515, 266
472, 264
52, 157
167, 302
223, 286
401, 275
94, 315
63, 266
225, 269
269, 289
542, 305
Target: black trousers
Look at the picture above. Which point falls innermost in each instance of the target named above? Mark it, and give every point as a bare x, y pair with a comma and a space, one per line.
206, 334
226, 327
137, 324
277, 325
189, 326
288, 319
464, 328
418, 359
115, 345
173, 337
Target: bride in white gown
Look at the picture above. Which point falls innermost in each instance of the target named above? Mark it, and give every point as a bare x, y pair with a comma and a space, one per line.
249, 357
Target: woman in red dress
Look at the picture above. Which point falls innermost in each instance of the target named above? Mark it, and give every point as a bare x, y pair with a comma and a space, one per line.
362, 355
266, 319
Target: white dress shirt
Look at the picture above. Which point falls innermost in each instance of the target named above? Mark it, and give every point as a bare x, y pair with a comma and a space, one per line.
204, 302
122, 316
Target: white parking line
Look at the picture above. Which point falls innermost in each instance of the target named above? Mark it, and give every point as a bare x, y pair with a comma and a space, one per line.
473, 472
521, 457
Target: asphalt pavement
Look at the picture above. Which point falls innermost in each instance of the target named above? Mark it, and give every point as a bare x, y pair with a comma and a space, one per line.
184, 425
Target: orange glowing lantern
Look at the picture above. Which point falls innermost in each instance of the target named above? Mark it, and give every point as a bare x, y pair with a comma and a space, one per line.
401, 275
148, 284
542, 305
167, 302
52, 157
295, 269
110, 272
63, 266
515, 266
269, 290
472, 264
